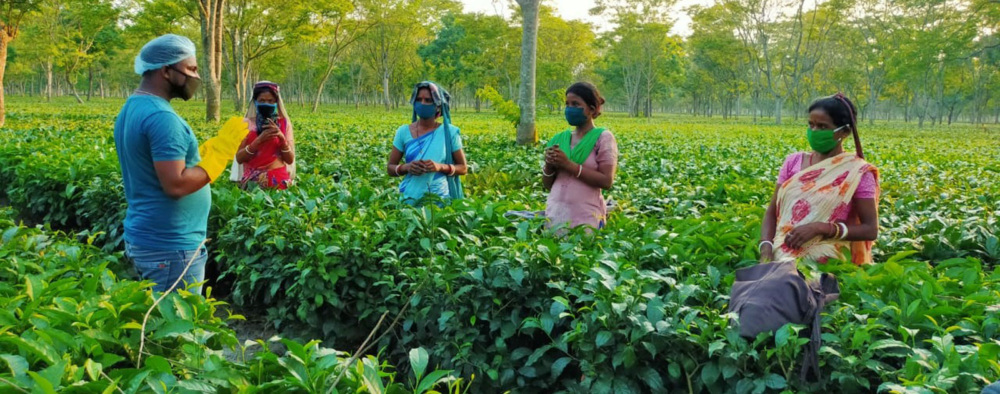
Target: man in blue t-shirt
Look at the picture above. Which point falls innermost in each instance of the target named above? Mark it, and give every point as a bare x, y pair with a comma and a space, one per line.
166, 174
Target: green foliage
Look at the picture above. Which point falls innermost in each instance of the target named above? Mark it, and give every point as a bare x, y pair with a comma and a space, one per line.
506, 108
638, 307
68, 323
918, 61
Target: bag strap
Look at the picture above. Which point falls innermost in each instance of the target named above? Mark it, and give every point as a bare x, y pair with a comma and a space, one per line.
826, 291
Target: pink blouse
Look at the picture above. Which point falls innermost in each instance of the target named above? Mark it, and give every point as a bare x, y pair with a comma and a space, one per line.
575, 202
867, 187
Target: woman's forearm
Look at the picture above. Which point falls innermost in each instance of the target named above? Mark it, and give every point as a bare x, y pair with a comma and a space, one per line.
769, 223
592, 178
550, 179
460, 169
242, 156
867, 229
397, 169
288, 157
862, 232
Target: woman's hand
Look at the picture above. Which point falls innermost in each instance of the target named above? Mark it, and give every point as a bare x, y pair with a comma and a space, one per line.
420, 167
430, 166
412, 169
806, 232
282, 141
269, 131
557, 158
766, 253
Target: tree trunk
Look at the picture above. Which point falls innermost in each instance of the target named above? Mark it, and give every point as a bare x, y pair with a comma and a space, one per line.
322, 85
526, 133
211, 12
385, 90
872, 112
778, 103
48, 80
239, 71
4, 40
90, 83
72, 89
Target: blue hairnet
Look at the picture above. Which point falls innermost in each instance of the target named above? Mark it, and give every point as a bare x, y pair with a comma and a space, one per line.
163, 51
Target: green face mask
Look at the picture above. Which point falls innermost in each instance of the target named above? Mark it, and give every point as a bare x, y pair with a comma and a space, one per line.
822, 141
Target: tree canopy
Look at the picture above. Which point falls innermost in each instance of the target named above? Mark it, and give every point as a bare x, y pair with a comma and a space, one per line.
927, 61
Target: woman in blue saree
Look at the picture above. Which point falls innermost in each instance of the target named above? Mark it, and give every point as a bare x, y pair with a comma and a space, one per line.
430, 147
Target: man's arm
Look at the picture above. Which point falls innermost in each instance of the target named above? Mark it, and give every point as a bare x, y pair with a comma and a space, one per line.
169, 144
178, 181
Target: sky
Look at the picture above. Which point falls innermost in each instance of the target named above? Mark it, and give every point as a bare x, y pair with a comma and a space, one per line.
580, 10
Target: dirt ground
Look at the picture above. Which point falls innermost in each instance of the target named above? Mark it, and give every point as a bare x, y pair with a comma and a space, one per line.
253, 328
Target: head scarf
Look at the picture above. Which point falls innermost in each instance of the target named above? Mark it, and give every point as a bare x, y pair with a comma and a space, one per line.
163, 51
252, 109
440, 96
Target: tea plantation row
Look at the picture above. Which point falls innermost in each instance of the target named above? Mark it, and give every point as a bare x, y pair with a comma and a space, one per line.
70, 324
639, 307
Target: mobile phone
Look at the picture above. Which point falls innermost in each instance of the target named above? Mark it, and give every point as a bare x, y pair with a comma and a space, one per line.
262, 122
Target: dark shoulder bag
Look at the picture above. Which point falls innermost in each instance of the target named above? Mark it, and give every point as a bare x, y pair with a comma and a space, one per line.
768, 296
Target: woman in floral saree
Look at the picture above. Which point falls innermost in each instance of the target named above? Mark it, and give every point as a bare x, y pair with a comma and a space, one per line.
826, 201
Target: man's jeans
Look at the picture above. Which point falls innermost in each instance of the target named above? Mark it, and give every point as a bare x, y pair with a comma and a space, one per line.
163, 267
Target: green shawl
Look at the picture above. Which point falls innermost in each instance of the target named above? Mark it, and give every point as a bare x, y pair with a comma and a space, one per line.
581, 151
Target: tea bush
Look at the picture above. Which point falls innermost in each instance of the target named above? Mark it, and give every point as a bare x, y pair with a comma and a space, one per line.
639, 307
70, 324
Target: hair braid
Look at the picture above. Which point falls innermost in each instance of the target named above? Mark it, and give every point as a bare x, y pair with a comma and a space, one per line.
854, 123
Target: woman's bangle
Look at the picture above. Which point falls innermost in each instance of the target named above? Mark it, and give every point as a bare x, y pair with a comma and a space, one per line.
579, 170
452, 173
843, 233
247, 148
286, 150
836, 231
396, 169
547, 175
761, 245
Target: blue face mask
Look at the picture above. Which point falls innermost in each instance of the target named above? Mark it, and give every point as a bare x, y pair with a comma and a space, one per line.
575, 116
265, 110
425, 111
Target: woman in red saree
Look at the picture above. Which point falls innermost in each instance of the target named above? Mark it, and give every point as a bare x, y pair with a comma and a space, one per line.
267, 155
826, 200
